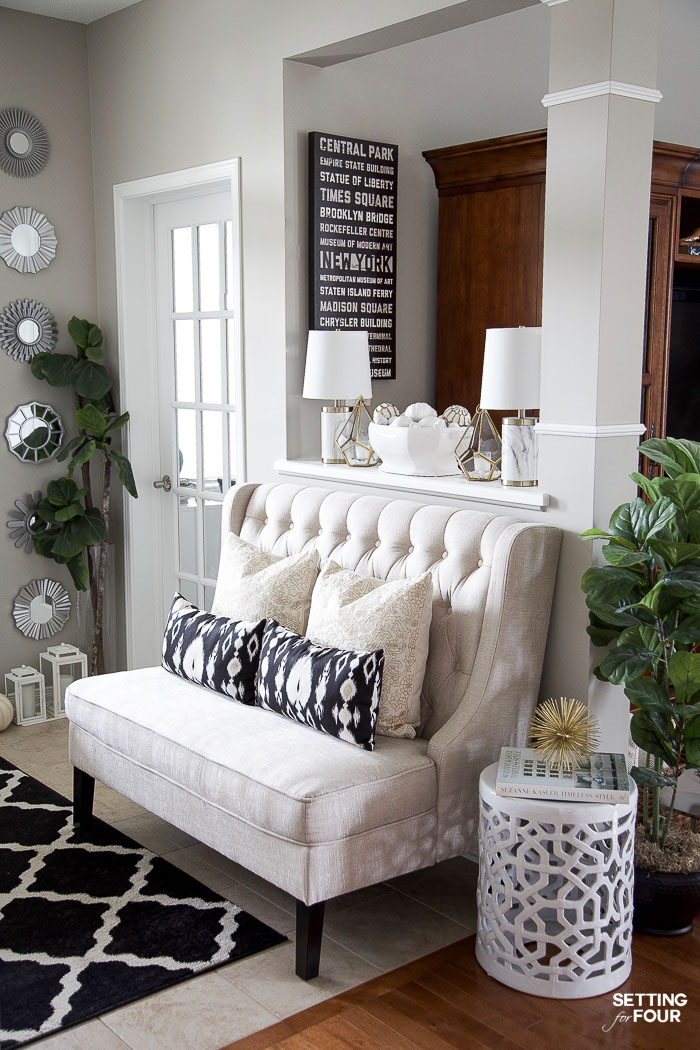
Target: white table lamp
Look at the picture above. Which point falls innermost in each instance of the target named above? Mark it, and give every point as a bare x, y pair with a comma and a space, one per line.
337, 368
511, 380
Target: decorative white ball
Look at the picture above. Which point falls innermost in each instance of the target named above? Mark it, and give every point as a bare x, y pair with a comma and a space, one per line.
6, 712
419, 410
458, 415
400, 421
384, 413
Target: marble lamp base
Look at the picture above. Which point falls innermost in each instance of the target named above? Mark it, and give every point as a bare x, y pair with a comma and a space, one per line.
519, 455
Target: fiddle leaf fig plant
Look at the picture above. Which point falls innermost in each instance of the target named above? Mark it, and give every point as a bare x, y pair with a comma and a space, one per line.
646, 601
74, 522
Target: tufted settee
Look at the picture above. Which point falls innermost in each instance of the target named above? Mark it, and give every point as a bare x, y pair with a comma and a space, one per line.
311, 814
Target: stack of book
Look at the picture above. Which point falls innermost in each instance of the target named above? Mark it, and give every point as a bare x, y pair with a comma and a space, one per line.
523, 774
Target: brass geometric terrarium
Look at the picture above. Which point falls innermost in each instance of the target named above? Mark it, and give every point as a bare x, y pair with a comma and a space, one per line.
353, 438
479, 451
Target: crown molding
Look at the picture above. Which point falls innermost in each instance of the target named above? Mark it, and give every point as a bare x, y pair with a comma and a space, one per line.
603, 87
605, 430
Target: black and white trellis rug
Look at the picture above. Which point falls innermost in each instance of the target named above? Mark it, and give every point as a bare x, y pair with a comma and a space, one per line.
92, 922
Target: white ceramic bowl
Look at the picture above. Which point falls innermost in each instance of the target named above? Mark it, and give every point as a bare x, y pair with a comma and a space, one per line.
421, 451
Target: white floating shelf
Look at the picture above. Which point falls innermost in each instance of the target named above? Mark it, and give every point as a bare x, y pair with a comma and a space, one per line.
450, 487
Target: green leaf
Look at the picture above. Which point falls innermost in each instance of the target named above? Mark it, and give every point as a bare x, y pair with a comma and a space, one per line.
79, 571
684, 672
621, 525
82, 455
595, 534
67, 449
625, 663
91, 379
687, 632
675, 553
691, 742
67, 543
649, 519
94, 353
607, 584
685, 579
621, 556
91, 420
43, 542
62, 492
56, 369
648, 694
46, 511
117, 422
126, 474
78, 329
686, 710
73, 510
673, 455
649, 486
650, 778
90, 529
649, 732
602, 636
95, 337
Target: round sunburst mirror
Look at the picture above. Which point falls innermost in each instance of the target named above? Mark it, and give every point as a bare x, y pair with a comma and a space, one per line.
24, 144
27, 328
27, 239
24, 522
34, 432
41, 608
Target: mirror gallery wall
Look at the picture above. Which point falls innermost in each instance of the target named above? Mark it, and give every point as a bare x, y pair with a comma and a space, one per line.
53, 87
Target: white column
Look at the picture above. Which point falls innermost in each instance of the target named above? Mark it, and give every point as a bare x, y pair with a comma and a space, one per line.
600, 131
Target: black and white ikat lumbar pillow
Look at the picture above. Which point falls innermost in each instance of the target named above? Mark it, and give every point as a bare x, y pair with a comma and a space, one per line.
214, 651
336, 691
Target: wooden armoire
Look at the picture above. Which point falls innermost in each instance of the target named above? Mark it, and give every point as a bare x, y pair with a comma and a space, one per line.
490, 241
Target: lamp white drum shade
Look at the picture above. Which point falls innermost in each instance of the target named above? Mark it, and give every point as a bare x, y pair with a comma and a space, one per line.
337, 366
511, 373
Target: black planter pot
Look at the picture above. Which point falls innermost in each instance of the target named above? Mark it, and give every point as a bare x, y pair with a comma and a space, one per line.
665, 902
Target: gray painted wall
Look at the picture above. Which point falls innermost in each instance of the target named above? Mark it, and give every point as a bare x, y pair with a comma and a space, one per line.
44, 69
435, 92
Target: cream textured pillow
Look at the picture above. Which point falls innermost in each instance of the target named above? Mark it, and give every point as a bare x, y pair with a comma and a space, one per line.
253, 585
349, 611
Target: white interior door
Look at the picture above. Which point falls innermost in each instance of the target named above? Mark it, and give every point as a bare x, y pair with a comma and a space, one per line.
181, 378
196, 314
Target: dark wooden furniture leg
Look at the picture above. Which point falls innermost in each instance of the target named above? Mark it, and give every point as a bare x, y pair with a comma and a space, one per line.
83, 796
309, 933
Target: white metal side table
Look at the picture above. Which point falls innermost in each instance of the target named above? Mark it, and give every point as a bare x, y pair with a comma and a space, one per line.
555, 892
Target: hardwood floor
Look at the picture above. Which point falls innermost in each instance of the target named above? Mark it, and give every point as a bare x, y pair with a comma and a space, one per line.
445, 1000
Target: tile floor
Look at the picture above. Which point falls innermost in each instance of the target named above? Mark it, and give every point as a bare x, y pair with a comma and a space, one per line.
366, 933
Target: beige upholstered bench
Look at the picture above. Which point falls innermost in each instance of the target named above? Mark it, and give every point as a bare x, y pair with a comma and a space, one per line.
312, 814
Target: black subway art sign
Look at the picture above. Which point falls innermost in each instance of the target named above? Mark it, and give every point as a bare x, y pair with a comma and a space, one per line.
352, 213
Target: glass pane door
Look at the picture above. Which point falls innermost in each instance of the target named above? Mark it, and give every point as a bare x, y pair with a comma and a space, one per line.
202, 359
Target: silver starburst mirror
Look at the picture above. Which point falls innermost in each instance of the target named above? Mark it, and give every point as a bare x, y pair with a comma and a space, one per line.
24, 522
27, 328
41, 608
27, 239
24, 144
34, 432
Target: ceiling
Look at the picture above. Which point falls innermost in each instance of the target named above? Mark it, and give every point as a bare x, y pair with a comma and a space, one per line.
73, 10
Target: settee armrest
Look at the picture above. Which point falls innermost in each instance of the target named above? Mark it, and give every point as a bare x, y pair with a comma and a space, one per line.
503, 687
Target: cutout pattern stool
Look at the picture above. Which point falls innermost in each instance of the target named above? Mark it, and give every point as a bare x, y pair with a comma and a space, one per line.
555, 892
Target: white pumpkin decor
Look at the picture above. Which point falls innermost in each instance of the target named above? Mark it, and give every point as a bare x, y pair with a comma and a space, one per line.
401, 421
6, 712
419, 410
384, 413
457, 415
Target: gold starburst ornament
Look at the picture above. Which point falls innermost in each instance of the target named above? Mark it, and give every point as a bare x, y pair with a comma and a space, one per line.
563, 733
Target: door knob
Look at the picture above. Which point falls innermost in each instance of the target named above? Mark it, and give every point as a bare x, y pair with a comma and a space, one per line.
165, 483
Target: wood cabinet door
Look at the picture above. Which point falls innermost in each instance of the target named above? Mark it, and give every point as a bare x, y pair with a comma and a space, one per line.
489, 276
662, 218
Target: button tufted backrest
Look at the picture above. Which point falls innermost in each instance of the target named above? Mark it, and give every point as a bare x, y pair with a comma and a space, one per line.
393, 539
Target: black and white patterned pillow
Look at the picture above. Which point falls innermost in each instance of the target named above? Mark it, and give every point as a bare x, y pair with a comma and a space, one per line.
334, 690
214, 651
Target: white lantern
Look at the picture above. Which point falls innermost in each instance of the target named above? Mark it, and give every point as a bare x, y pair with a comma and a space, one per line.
67, 664
26, 691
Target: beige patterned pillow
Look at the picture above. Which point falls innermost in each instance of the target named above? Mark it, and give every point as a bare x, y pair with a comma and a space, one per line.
350, 611
253, 585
